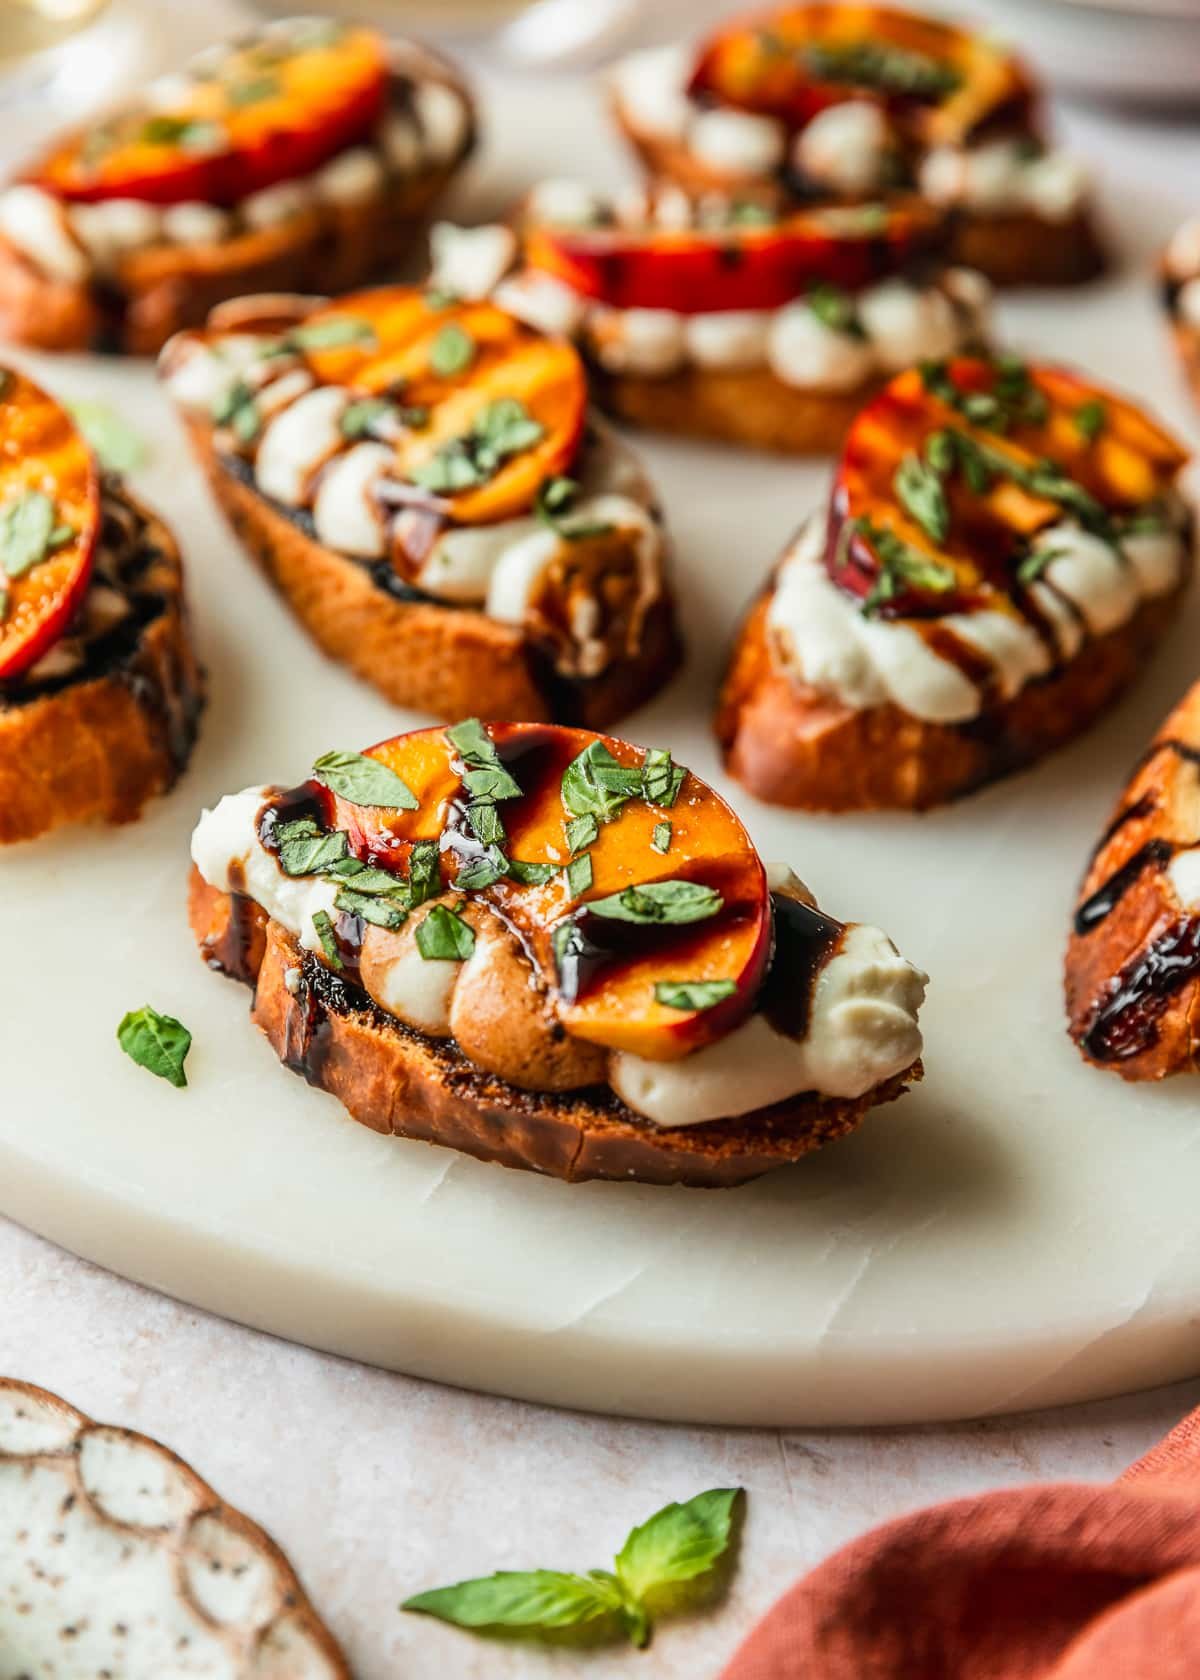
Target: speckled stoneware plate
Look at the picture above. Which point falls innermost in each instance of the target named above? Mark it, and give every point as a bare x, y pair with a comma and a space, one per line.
117, 1560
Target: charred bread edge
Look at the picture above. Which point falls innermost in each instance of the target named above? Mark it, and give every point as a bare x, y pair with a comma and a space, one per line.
400, 1082
450, 660
881, 757
102, 744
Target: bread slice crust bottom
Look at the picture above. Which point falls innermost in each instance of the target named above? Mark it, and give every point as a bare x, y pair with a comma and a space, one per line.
99, 748
450, 661
797, 746
158, 292
401, 1082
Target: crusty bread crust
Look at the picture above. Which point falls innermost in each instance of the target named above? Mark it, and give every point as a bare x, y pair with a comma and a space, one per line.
452, 662
100, 748
403, 1083
750, 407
798, 746
1158, 810
165, 288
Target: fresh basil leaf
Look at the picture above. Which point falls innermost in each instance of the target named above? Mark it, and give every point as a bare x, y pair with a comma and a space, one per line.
660, 901
448, 471
920, 491
485, 776
579, 875
595, 784
246, 422
383, 912
254, 92
1090, 419
661, 838
26, 521
109, 436
159, 1043
452, 351
364, 878
835, 309
61, 536
876, 64
693, 994
438, 298
500, 429
532, 874
424, 872
334, 333
507, 427
677, 1543
358, 418
554, 496
1031, 567
329, 944
482, 871
444, 937
486, 823
582, 831
532, 1599
900, 567
364, 781
305, 850
661, 778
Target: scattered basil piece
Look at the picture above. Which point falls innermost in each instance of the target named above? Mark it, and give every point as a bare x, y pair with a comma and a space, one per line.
875, 64
532, 874
900, 567
358, 418
834, 308
334, 333
1090, 419
660, 901
489, 866
187, 133
424, 872
693, 994
26, 523
383, 912
1031, 567
595, 784
744, 212
499, 430
254, 92
304, 849
329, 944
485, 776
554, 498
579, 875
486, 823
159, 1043
921, 493
444, 936
111, 438
581, 832
677, 1544
452, 351
237, 408
661, 838
61, 536
364, 781
661, 778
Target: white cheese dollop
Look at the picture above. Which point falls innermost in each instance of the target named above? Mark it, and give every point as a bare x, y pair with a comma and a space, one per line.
542, 302
803, 351
1000, 176
470, 262
271, 207
727, 338
845, 147
649, 342
230, 856
297, 441
353, 177
33, 222
196, 223
443, 118
737, 142
908, 324
346, 515
115, 227
566, 203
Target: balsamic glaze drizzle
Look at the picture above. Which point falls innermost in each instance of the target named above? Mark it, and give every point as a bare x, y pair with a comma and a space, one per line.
1126, 1022
1096, 908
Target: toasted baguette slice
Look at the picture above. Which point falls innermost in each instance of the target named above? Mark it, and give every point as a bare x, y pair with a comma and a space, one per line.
99, 742
1022, 249
442, 659
401, 1082
798, 746
1133, 957
157, 292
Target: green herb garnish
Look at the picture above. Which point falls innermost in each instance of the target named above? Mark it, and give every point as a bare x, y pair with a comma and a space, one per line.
693, 994
900, 567
595, 784
305, 849
240, 94
661, 838
325, 933
579, 875
484, 775
661, 777
1090, 419
385, 912
874, 64
532, 874
443, 936
159, 1043
110, 437
360, 418
333, 333
660, 901
424, 872
500, 430
582, 831
834, 308
920, 491
364, 781
483, 870
27, 523
452, 351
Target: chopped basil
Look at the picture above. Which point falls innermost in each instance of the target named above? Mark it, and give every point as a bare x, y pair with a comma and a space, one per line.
364, 781
693, 994
438, 298
660, 901
159, 1043
484, 774
333, 333
383, 912
876, 64
554, 498
61, 536
499, 430
325, 933
254, 92
579, 875
661, 838
484, 870
444, 936
452, 351
920, 491
237, 408
486, 823
1015, 399
304, 849
661, 779
109, 436
424, 872
595, 784
1031, 567
532, 874
744, 212
582, 831
27, 523
359, 418
834, 308
1090, 419
363, 878
186, 132
900, 567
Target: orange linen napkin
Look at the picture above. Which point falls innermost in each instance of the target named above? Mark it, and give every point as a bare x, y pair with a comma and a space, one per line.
1065, 1582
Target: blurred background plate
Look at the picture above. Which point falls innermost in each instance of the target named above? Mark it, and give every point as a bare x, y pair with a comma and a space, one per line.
1148, 52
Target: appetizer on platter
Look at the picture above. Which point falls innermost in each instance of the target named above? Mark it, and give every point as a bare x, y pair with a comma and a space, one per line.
551, 950
1133, 959
845, 102
724, 321
100, 692
1180, 276
1003, 547
421, 480
305, 155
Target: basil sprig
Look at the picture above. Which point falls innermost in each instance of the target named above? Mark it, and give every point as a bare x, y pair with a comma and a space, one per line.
329, 944
364, 781
159, 1043
678, 1544
305, 849
661, 838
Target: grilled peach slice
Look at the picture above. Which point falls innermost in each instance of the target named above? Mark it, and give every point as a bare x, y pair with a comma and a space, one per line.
49, 519
617, 869
267, 111
744, 266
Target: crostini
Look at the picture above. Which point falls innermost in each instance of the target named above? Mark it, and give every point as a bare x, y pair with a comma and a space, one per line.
846, 102
710, 321
1003, 547
1180, 281
100, 691
1133, 958
552, 950
305, 155
420, 479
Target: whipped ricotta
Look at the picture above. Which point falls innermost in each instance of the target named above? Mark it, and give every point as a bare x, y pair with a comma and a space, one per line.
862, 1021
822, 639
1001, 177
846, 148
